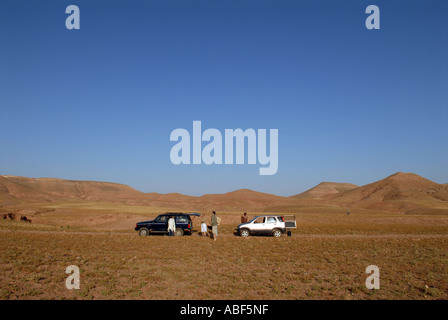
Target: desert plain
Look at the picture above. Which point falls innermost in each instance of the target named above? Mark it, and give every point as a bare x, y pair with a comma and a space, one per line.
398, 223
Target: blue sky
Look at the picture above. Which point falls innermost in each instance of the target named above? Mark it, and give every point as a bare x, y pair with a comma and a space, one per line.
99, 103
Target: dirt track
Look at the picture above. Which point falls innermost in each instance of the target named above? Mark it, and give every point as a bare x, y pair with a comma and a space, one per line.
303, 236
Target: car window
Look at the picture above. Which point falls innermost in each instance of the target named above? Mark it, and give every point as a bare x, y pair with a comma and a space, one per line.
181, 219
272, 220
259, 220
161, 219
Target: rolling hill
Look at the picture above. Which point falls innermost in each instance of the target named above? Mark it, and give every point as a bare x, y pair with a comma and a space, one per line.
324, 189
14, 190
51, 189
400, 192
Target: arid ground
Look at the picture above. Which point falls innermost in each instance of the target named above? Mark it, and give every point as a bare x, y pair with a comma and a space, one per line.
325, 258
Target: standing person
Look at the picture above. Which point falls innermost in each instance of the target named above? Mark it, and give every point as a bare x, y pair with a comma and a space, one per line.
244, 218
348, 211
171, 226
203, 225
214, 223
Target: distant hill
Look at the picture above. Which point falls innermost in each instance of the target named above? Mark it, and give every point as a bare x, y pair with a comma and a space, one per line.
15, 189
400, 192
244, 198
51, 189
324, 189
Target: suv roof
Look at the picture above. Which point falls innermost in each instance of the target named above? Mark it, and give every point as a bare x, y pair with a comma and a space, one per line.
180, 214
172, 213
270, 215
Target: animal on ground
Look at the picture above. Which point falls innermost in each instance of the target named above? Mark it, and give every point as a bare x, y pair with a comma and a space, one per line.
25, 219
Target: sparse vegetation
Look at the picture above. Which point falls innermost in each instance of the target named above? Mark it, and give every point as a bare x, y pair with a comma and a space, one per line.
325, 259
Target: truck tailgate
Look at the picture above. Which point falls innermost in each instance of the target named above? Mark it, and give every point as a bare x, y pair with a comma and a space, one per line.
290, 221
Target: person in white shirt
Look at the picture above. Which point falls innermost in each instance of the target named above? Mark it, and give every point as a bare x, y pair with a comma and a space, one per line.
171, 226
203, 225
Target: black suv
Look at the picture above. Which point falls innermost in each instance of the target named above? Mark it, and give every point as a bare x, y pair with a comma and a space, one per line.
160, 224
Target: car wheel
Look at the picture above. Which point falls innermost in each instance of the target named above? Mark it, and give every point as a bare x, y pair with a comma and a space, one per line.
143, 232
179, 232
277, 233
245, 233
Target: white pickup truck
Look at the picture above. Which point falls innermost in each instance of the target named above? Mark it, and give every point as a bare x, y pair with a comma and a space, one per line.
274, 225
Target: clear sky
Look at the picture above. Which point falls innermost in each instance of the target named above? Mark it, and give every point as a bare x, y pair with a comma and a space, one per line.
99, 103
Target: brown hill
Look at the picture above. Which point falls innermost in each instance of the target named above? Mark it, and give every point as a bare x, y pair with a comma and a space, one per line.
324, 189
399, 192
239, 200
243, 199
50, 189
15, 189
